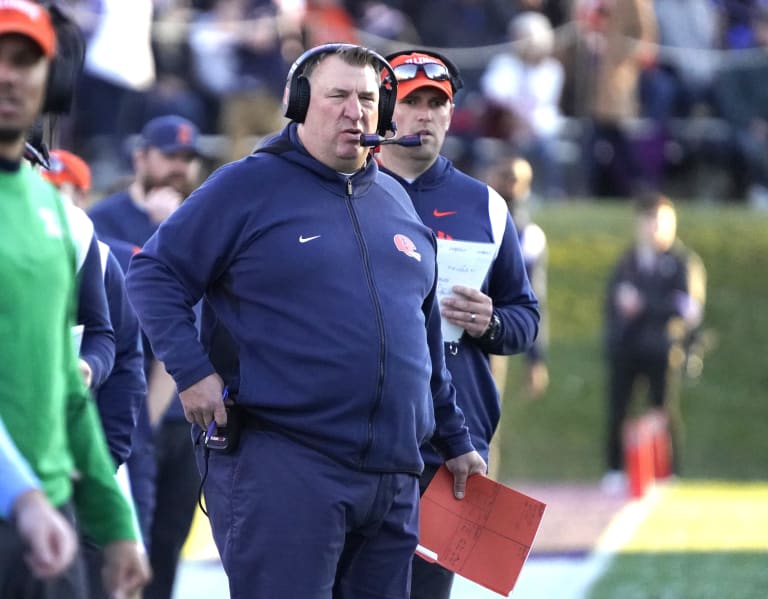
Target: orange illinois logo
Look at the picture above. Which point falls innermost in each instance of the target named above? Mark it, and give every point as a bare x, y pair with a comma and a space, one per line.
405, 245
183, 134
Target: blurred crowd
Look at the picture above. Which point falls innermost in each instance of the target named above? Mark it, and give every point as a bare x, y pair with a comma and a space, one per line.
603, 97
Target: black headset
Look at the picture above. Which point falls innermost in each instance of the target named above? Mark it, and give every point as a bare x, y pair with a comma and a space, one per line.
298, 86
453, 71
63, 73
66, 65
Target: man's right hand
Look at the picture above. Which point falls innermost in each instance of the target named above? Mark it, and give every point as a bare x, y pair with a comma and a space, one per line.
202, 402
51, 541
161, 202
126, 569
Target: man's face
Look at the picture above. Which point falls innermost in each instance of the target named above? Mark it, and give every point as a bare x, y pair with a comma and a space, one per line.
23, 77
178, 170
73, 194
343, 104
658, 230
426, 111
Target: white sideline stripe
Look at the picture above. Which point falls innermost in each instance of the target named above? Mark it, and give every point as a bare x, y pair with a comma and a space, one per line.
617, 534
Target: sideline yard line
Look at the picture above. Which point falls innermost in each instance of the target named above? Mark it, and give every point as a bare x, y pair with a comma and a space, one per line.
617, 534
706, 516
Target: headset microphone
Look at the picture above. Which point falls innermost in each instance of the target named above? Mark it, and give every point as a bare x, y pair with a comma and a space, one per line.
372, 139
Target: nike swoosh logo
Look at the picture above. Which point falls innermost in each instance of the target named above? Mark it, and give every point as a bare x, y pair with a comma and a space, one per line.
303, 239
439, 214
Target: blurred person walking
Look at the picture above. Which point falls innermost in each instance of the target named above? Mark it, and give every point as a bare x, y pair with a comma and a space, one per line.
654, 301
500, 318
42, 384
320, 270
162, 469
512, 177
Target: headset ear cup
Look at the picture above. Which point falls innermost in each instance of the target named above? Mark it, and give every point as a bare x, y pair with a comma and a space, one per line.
66, 66
387, 100
298, 99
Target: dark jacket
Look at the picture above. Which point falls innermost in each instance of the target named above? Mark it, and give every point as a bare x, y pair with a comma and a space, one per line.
326, 284
665, 293
457, 206
98, 343
121, 396
126, 228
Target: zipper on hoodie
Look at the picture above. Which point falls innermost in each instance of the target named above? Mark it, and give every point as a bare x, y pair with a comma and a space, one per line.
379, 320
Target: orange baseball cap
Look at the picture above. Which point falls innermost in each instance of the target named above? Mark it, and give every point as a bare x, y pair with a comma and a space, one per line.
409, 80
66, 167
28, 19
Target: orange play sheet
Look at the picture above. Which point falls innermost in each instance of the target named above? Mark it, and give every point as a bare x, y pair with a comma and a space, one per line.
485, 537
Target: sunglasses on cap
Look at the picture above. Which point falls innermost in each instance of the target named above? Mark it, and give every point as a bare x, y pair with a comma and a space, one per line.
431, 70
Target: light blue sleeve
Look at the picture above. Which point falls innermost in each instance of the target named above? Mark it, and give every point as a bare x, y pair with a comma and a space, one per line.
16, 476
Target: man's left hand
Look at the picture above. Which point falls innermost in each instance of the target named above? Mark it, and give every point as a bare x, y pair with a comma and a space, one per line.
469, 309
462, 467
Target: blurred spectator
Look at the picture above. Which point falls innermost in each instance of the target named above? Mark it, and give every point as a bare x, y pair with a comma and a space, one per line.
71, 176
175, 90
462, 24
555, 10
119, 69
736, 31
382, 20
681, 81
523, 89
741, 94
678, 86
328, 21
613, 45
512, 176
655, 299
237, 57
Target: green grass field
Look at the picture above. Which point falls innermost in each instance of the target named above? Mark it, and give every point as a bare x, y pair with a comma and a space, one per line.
702, 540
560, 436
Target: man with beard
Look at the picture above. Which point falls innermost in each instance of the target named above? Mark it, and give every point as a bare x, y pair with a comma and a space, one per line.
163, 474
44, 403
501, 317
167, 165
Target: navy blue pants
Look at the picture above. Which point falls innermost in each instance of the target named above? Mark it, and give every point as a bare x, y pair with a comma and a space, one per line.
290, 522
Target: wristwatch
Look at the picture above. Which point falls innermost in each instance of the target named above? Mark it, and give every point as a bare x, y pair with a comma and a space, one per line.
494, 329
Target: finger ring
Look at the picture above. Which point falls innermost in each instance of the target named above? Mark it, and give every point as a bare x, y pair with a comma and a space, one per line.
472, 317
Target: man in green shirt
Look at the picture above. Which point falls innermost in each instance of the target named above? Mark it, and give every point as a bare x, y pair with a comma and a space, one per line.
43, 400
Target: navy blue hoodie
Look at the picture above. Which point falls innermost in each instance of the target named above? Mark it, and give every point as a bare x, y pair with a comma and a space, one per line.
326, 283
457, 206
